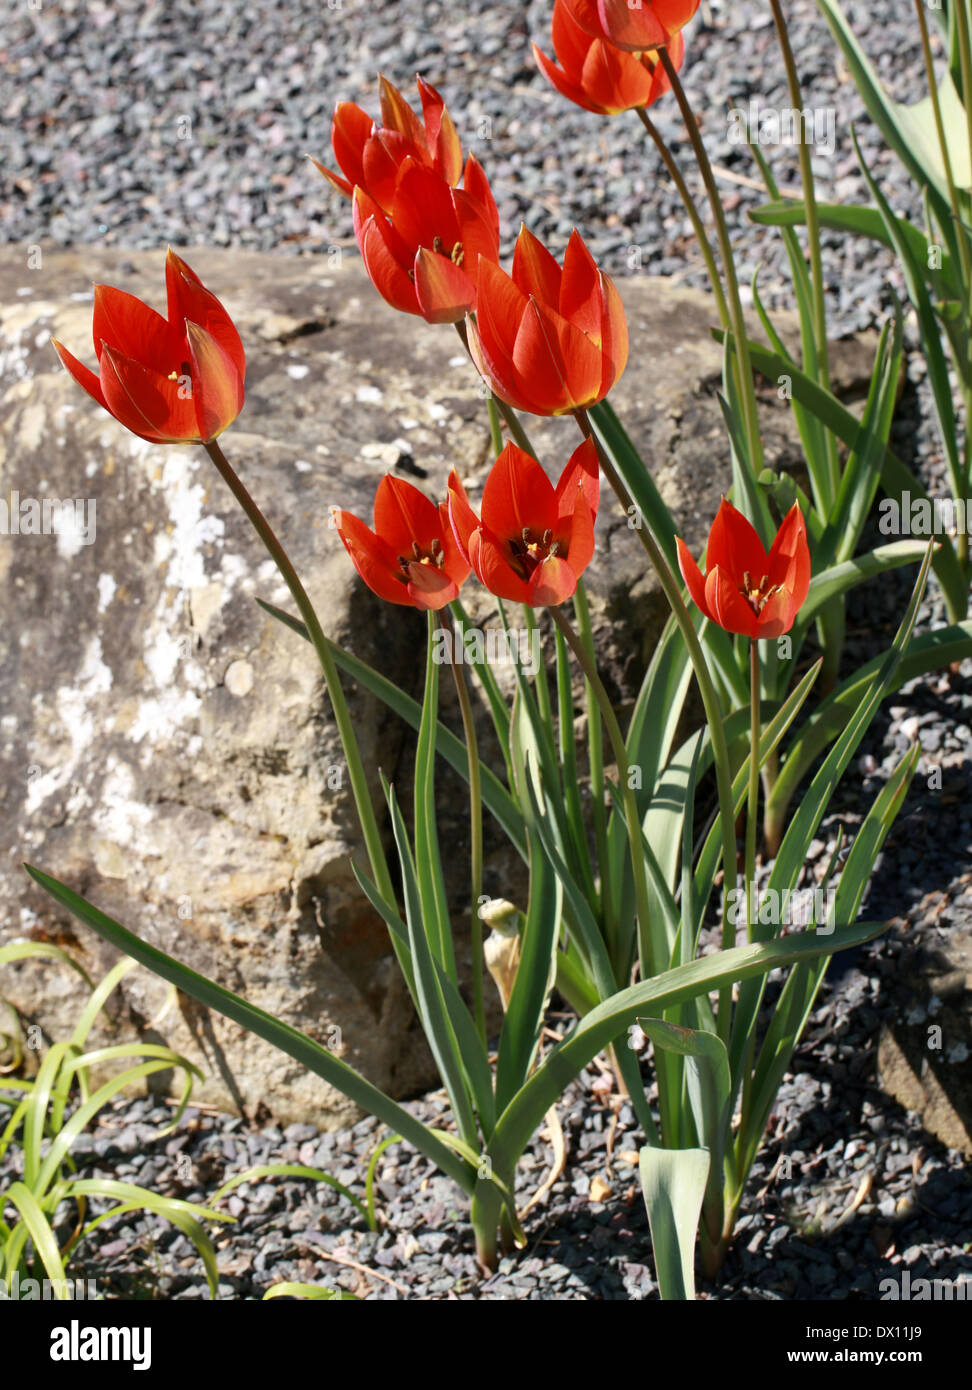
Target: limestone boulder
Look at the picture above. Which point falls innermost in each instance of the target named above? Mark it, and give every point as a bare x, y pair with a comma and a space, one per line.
165, 747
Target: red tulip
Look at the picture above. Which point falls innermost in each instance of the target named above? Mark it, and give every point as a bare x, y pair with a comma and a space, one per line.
534, 541
411, 557
549, 340
636, 25
424, 257
170, 380
420, 236
370, 155
598, 76
744, 589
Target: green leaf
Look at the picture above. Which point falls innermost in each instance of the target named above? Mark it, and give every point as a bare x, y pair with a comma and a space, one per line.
610, 1020
34, 1224
909, 130
673, 1181
708, 1084
860, 221
536, 971
931, 343
831, 583
294, 1043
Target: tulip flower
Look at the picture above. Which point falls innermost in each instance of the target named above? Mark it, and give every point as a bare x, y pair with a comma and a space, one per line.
408, 210
744, 589
534, 540
549, 340
171, 380
411, 557
424, 256
633, 26
596, 75
370, 155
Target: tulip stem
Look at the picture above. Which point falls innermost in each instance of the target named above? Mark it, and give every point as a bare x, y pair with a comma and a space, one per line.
753, 803
710, 701
813, 237
636, 841
475, 827
705, 246
747, 389
495, 433
595, 757
342, 717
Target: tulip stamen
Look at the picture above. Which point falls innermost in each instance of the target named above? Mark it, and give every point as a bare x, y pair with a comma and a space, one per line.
435, 555
456, 255
757, 595
529, 553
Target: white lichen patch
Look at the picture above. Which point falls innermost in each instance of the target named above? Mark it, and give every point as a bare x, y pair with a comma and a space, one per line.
74, 715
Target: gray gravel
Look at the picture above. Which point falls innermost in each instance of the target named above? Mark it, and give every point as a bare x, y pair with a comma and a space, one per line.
96, 102
138, 124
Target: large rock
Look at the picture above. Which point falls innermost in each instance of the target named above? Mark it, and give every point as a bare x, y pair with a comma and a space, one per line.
923, 1057
167, 748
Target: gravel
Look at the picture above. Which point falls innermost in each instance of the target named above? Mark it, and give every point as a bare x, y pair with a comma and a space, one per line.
137, 124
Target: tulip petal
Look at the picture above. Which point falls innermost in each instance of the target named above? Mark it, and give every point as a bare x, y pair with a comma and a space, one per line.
424, 208
375, 561
153, 406
632, 27
440, 134
552, 582
476, 184
384, 153
613, 335
581, 474
789, 558
429, 586
130, 327
389, 277
777, 616
404, 514
83, 375
726, 604
397, 114
444, 291
350, 130
342, 185
735, 546
518, 496
190, 300
576, 536
616, 80
555, 362
464, 520
692, 576
217, 386
455, 563
490, 560
580, 298
564, 84
535, 271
